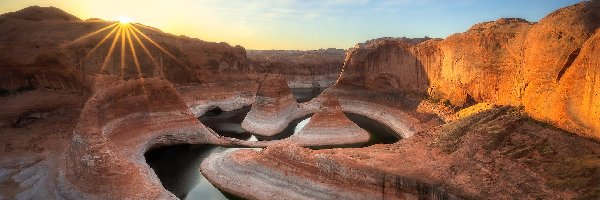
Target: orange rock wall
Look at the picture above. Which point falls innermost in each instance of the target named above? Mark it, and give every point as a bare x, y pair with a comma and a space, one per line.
549, 67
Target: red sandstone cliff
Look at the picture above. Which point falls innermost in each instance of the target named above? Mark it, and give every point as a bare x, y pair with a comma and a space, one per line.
548, 67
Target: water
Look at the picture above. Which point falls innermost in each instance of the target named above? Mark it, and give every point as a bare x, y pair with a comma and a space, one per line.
227, 124
380, 133
177, 167
306, 94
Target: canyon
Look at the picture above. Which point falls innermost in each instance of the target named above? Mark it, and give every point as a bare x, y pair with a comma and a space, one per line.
507, 109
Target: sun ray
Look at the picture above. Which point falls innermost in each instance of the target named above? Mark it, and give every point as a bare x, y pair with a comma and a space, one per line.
123, 56
135, 59
94, 33
137, 38
101, 42
156, 45
111, 50
132, 48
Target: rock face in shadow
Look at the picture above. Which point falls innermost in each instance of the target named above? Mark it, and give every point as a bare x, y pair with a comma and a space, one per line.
46, 48
302, 69
385, 65
48, 14
274, 107
508, 62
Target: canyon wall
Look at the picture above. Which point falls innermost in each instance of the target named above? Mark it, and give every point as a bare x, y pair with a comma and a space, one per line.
302, 69
550, 68
45, 47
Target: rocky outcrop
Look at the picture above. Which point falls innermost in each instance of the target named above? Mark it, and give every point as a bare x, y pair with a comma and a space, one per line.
385, 65
274, 108
36, 13
555, 48
400, 113
462, 159
226, 96
330, 127
302, 69
508, 62
105, 158
306, 175
577, 105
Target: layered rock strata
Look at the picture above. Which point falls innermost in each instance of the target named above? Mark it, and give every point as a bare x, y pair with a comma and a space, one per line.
274, 108
328, 127
45, 47
302, 69
507, 62
226, 96
105, 158
459, 160
401, 113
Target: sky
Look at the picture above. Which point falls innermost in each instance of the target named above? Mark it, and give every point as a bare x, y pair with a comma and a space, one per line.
302, 24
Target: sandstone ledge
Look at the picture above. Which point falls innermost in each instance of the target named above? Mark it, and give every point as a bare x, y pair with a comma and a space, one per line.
307, 175
105, 159
462, 159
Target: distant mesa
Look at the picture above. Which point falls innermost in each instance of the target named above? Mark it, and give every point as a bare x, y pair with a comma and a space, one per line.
95, 20
37, 13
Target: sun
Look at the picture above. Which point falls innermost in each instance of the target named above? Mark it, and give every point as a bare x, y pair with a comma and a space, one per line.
127, 34
125, 20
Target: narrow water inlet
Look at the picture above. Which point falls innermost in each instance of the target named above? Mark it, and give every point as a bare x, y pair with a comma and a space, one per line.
177, 167
306, 94
380, 133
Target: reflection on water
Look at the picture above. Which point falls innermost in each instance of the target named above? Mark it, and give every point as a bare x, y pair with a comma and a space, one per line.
380, 133
306, 94
228, 123
301, 125
177, 167
293, 127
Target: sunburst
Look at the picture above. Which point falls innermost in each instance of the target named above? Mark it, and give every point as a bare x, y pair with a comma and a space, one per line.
128, 35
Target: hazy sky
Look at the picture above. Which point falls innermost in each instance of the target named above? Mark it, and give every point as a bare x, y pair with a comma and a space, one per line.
302, 24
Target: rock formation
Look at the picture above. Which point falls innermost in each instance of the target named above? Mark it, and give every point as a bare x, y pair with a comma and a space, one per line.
117, 125
459, 160
330, 127
508, 62
44, 47
274, 107
71, 131
302, 69
46, 14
